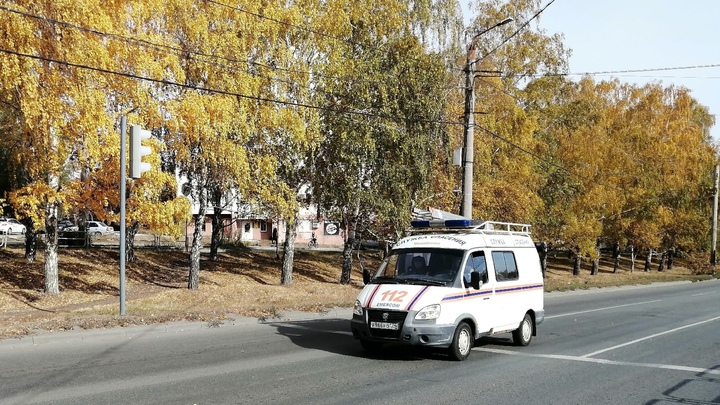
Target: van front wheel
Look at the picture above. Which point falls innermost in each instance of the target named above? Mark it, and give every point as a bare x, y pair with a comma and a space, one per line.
523, 334
462, 342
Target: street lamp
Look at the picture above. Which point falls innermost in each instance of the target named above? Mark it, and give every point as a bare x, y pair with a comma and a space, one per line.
469, 121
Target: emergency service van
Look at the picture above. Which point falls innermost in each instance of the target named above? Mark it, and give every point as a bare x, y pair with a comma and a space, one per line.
450, 283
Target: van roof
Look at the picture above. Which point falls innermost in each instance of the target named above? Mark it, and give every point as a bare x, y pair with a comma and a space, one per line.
468, 225
466, 234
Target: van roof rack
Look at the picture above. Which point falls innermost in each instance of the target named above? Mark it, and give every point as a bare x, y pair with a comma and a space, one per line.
468, 226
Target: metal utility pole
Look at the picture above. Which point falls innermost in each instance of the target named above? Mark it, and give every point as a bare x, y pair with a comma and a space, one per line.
469, 121
713, 251
123, 128
469, 129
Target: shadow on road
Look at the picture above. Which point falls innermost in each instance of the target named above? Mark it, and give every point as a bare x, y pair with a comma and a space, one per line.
334, 336
703, 389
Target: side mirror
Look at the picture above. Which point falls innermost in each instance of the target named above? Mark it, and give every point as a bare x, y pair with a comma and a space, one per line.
475, 280
366, 276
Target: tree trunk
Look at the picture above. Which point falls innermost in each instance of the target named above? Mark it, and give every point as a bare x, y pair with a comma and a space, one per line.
52, 285
30, 241
542, 248
199, 224
286, 272
670, 256
347, 252
616, 257
648, 261
595, 269
130, 233
661, 265
576, 265
347, 260
217, 228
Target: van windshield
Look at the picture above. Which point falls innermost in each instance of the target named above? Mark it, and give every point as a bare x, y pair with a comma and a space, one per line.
420, 266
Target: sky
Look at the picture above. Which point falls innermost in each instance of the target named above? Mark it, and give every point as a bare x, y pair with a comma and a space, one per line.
619, 35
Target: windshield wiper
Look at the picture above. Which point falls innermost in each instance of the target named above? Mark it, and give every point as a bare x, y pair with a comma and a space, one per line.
419, 280
385, 280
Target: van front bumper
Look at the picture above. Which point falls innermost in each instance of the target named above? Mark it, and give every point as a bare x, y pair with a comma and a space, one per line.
411, 333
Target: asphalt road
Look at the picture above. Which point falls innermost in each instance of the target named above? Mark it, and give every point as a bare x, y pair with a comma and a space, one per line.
658, 344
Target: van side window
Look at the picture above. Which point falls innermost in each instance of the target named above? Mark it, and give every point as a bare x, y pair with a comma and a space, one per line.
505, 267
476, 262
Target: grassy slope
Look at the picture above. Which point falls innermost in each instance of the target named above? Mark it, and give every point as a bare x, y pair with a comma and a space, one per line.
244, 282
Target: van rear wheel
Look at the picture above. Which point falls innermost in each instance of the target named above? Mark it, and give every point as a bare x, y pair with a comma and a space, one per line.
462, 342
524, 333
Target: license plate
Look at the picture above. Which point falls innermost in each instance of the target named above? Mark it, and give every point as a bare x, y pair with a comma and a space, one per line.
384, 325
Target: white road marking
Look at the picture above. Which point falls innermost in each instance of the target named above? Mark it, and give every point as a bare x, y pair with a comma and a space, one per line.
705, 293
650, 337
603, 361
600, 309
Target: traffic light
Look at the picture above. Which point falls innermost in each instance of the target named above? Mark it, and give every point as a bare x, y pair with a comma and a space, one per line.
137, 151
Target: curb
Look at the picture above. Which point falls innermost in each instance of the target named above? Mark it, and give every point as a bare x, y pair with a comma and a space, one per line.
43, 338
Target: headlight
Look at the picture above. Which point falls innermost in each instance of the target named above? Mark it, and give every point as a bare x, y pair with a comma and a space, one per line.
357, 309
428, 313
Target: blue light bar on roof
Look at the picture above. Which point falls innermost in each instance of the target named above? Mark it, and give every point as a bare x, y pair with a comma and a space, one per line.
420, 224
458, 223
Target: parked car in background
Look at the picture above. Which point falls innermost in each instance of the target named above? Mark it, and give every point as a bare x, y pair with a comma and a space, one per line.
98, 228
11, 225
67, 225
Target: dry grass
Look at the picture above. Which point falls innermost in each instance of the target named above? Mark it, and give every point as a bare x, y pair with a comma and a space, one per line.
244, 282
559, 274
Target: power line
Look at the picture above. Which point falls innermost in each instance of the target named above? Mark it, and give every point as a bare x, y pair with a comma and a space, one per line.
517, 31
256, 98
295, 104
144, 43
162, 81
180, 52
612, 72
212, 90
668, 77
540, 158
309, 30
522, 26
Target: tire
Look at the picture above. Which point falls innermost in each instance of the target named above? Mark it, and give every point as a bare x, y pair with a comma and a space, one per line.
524, 333
97, 233
462, 343
370, 346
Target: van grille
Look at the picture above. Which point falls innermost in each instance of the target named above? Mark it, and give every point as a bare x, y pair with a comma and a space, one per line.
392, 316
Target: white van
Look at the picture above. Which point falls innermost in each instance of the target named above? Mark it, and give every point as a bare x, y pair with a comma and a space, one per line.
450, 283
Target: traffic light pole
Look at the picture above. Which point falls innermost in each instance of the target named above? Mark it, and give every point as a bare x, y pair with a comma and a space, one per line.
123, 131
